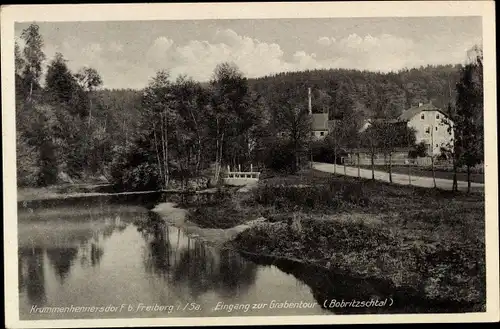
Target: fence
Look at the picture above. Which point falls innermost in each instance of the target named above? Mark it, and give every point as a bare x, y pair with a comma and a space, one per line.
380, 160
239, 177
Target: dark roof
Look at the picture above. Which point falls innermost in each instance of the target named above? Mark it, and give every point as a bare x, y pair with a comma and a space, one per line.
319, 121
384, 121
367, 150
411, 112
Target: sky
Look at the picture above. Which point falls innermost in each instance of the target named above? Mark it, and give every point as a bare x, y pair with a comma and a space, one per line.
127, 54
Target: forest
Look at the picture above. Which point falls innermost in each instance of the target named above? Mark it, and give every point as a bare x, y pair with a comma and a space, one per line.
71, 129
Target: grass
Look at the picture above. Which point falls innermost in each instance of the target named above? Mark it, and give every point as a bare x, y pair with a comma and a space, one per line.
227, 209
429, 240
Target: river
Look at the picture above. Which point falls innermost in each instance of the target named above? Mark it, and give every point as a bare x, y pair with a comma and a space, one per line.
116, 256
112, 257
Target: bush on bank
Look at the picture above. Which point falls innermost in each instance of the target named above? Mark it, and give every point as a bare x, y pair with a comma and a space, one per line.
439, 270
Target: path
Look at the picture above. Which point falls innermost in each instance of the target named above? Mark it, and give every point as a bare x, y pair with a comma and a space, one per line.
402, 179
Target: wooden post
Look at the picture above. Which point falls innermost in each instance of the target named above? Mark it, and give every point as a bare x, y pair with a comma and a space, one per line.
432, 156
251, 167
359, 171
409, 171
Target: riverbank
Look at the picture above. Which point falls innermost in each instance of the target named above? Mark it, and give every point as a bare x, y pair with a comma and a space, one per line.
418, 239
59, 191
179, 217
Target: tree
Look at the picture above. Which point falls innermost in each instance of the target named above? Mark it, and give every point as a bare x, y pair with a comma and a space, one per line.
371, 139
159, 104
42, 136
89, 79
468, 118
19, 68
190, 102
228, 106
26, 162
388, 141
59, 82
393, 135
451, 149
34, 57
295, 125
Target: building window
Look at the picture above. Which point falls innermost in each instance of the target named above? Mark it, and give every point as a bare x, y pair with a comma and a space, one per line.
422, 116
436, 128
322, 133
437, 145
437, 115
427, 130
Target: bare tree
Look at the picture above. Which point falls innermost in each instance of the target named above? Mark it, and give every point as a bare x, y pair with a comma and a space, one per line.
158, 102
89, 79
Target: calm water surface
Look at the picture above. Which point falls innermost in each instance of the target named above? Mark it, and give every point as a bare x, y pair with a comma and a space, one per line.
101, 252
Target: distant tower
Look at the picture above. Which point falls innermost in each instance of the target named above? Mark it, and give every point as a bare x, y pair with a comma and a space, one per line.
309, 97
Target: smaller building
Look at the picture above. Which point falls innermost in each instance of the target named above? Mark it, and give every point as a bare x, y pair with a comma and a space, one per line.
319, 125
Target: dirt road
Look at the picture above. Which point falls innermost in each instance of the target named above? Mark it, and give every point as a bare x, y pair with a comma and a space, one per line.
445, 184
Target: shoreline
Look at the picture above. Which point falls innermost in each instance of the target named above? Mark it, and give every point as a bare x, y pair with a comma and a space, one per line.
171, 214
49, 193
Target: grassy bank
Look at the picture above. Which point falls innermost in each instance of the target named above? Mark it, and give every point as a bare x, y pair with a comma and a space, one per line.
227, 209
429, 241
59, 191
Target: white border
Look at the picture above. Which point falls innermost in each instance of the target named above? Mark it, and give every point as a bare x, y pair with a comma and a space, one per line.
122, 12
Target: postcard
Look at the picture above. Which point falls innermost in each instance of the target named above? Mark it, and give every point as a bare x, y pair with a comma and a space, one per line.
249, 163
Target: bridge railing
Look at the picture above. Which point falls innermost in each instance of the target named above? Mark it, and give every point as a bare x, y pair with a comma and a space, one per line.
243, 175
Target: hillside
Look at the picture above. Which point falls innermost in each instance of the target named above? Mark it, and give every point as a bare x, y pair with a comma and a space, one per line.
340, 91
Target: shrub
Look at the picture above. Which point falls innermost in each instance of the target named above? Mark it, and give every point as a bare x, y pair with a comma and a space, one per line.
320, 197
131, 170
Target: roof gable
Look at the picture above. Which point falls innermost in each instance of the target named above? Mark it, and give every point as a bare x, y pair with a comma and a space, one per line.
319, 121
413, 111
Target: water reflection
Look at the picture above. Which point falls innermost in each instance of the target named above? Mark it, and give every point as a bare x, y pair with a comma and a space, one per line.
52, 243
61, 259
100, 252
185, 261
31, 274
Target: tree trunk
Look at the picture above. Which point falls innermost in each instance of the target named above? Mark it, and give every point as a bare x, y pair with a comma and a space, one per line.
90, 109
216, 153
164, 149
31, 91
433, 171
373, 166
220, 155
167, 171
359, 166
335, 159
409, 172
311, 158
345, 168
198, 156
157, 152
468, 180
390, 167
296, 160
162, 135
